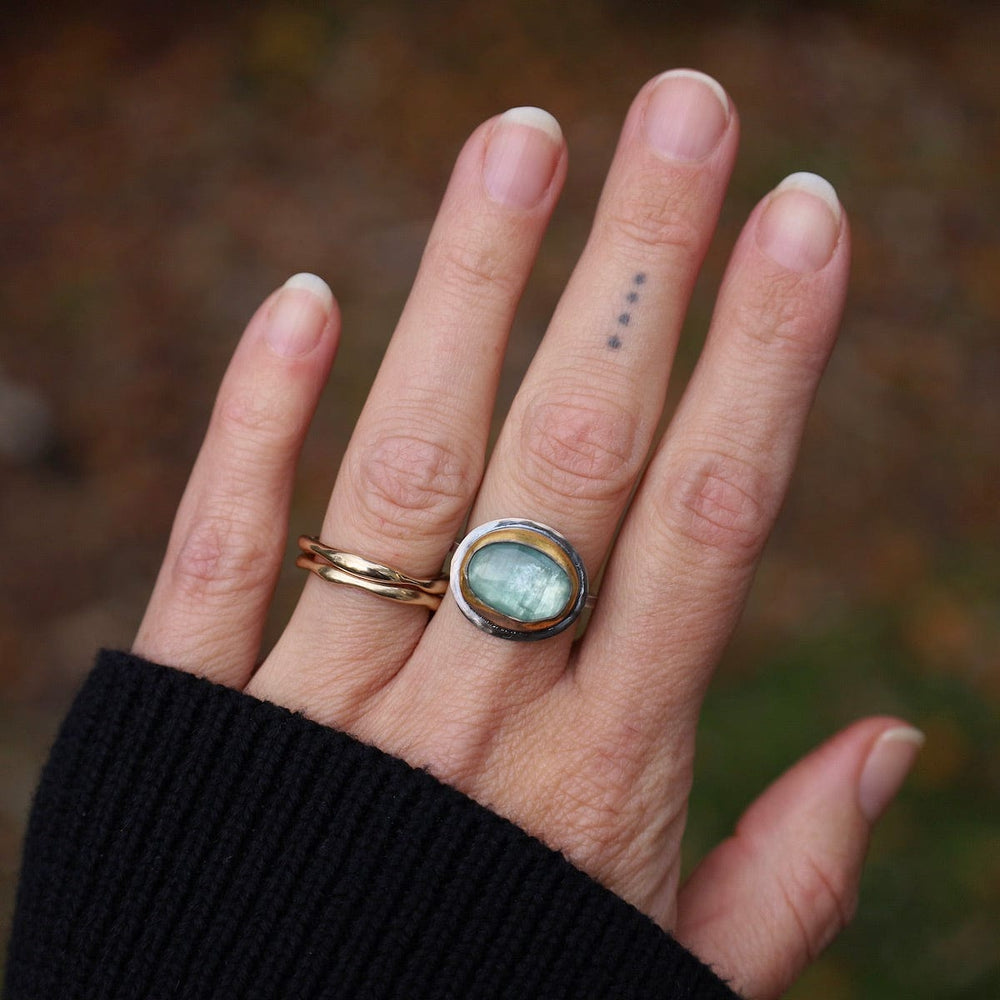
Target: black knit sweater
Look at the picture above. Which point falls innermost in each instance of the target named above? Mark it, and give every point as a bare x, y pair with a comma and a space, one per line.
189, 841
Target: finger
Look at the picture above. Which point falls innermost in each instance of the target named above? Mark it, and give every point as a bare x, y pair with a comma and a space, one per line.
678, 577
208, 606
416, 456
768, 900
580, 426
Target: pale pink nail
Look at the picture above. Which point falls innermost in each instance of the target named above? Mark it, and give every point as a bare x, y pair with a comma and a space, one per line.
521, 157
298, 315
686, 115
800, 224
889, 761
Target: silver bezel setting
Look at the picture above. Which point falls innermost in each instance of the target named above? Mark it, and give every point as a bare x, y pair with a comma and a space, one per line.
538, 536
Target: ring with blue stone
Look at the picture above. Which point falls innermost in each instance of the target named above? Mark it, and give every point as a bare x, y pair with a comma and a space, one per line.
518, 579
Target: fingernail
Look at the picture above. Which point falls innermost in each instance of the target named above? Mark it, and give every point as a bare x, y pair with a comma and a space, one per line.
686, 115
889, 762
521, 157
800, 225
298, 315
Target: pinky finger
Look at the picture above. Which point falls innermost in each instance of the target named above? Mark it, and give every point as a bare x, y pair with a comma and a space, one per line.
769, 899
208, 606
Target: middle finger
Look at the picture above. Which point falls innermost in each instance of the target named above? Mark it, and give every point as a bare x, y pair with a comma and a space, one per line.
582, 422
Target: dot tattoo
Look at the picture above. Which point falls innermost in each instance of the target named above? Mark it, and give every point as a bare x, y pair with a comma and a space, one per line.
625, 318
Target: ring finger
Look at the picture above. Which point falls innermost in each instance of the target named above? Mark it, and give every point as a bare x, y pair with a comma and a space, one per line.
415, 459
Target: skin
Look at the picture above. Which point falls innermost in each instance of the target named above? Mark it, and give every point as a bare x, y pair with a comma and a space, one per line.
589, 746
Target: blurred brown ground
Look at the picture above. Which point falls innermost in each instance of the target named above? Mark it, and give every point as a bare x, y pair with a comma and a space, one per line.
163, 167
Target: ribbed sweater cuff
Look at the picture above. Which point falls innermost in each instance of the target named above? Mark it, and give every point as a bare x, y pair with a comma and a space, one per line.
190, 841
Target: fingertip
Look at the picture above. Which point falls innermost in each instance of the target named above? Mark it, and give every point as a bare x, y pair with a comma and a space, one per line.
813, 184
686, 114
889, 762
315, 285
523, 152
298, 316
800, 226
536, 118
863, 765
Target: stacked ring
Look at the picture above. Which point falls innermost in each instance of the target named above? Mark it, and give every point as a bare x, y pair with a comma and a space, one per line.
337, 566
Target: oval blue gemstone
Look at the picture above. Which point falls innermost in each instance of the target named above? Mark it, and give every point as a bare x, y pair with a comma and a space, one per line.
519, 581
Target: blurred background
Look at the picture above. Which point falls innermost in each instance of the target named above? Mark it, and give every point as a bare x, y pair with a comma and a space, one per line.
164, 166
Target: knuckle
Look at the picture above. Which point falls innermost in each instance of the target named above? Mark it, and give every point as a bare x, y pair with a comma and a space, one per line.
405, 482
249, 416
778, 318
470, 266
219, 557
655, 223
822, 899
579, 449
715, 502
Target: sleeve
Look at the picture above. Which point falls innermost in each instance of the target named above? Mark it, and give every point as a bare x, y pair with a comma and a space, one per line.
190, 841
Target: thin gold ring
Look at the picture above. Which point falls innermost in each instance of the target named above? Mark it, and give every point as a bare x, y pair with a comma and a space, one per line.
337, 566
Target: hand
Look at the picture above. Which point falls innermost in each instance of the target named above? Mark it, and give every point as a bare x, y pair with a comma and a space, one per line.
589, 746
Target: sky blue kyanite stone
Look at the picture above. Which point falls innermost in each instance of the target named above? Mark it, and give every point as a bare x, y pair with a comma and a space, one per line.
519, 581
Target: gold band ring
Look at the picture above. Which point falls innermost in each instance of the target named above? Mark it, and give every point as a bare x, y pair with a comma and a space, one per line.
337, 566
